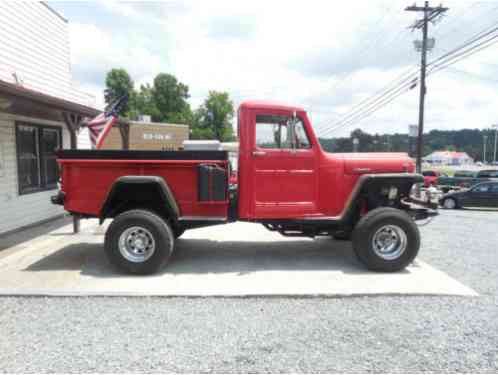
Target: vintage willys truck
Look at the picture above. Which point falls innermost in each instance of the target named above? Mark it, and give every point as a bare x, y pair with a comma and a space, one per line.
285, 181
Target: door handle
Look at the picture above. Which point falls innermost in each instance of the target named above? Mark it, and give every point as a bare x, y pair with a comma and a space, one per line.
258, 153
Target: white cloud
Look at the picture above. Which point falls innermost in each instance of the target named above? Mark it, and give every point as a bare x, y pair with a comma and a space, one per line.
95, 51
326, 56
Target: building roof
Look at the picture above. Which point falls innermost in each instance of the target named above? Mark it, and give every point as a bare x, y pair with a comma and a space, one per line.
449, 154
266, 104
51, 101
58, 14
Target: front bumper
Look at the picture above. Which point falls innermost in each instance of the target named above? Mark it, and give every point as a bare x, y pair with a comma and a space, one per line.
58, 198
420, 209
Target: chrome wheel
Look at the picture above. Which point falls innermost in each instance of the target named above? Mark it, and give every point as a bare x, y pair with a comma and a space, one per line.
136, 244
389, 242
449, 203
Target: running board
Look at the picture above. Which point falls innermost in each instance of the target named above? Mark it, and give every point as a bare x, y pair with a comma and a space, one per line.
202, 218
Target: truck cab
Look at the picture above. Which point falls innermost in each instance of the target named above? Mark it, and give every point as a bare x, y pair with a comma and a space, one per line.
285, 181
285, 174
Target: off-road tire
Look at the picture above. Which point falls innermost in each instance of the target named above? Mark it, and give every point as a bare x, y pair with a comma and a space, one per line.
372, 222
177, 232
159, 230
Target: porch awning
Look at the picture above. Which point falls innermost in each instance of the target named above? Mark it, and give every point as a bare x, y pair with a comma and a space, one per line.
21, 100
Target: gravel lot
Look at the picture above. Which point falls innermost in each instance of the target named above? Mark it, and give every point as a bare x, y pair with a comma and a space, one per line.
367, 334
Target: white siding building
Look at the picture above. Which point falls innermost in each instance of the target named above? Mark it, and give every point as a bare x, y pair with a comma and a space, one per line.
40, 110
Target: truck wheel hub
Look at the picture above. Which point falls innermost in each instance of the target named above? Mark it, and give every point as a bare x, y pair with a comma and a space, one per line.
389, 242
136, 244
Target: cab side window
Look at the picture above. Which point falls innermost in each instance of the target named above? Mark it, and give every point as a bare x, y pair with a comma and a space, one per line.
272, 131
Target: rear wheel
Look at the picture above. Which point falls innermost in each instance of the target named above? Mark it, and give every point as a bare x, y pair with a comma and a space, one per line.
386, 239
139, 242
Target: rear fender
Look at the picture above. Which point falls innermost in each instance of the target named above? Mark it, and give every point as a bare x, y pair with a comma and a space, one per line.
146, 192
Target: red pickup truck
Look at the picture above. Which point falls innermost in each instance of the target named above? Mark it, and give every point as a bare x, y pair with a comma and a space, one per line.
285, 181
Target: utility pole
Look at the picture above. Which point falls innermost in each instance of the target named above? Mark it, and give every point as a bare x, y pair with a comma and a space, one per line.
430, 14
485, 141
496, 136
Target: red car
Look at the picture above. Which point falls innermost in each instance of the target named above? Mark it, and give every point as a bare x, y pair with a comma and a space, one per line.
285, 181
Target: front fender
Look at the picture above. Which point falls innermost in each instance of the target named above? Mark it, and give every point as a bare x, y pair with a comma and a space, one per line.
371, 183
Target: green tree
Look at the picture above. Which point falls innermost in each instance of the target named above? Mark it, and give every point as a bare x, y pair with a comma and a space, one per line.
170, 98
466, 140
366, 140
213, 120
119, 83
144, 103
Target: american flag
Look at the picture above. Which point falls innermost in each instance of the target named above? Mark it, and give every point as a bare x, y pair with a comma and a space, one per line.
101, 125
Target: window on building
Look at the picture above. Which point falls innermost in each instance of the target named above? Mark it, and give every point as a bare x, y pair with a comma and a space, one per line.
36, 160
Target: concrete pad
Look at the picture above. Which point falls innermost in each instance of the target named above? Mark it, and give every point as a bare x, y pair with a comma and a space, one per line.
239, 259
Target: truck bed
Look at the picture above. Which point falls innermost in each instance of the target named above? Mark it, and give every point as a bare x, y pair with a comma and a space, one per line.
88, 175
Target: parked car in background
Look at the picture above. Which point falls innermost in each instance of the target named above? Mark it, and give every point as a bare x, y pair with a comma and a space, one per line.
484, 194
466, 179
430, 178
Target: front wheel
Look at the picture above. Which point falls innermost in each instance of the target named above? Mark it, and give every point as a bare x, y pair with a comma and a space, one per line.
386, 240
139, 242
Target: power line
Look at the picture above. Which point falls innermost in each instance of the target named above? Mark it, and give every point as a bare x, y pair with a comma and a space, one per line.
396, 88
464, 54
475, 38
438, 64
371, 44
381, 104
401, 81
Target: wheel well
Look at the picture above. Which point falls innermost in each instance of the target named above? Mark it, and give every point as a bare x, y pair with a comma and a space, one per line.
129, 193
386, 193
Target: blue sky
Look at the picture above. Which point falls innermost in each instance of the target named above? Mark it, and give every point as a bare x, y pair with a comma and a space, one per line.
325, 56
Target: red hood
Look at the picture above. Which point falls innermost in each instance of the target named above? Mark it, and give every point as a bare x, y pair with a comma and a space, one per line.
378, 162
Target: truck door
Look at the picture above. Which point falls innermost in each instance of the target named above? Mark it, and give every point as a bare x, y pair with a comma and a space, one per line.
283, 162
